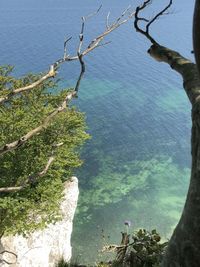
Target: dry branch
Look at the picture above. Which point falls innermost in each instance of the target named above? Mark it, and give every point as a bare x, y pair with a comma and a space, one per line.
66, 58
11, 146
52, 73
31, 179
176, 61
149, 22
93, 44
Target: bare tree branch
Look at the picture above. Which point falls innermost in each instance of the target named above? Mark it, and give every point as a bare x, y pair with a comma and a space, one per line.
92, 14
66, 58
176, 61
32, 178
80, 56
51, 74
107, 20
161, 13
11, 146
65, 47
95, 43
149, 22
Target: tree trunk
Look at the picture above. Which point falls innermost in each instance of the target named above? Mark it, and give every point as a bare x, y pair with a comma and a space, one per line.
184, 246
196, 33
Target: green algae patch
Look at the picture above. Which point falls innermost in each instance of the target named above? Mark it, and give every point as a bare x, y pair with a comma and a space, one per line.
159, 177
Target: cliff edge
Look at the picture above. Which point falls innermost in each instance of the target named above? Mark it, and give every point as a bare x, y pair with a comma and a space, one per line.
45, 247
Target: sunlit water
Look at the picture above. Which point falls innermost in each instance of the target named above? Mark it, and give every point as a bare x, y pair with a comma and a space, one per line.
137, 163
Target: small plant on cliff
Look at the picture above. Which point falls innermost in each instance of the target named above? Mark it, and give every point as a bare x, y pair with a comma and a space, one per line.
32, 174
145, 249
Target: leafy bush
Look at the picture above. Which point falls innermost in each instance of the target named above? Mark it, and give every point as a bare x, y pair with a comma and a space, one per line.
37, 204
145, 250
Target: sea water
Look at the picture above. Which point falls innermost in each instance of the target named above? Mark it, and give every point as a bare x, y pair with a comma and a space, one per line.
137, 162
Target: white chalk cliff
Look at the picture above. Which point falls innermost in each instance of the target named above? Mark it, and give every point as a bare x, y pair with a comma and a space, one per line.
44, 248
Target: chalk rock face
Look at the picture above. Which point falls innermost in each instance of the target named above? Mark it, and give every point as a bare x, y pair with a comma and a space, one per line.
44, 248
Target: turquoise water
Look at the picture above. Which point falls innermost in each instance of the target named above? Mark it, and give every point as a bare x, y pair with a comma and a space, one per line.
137, 163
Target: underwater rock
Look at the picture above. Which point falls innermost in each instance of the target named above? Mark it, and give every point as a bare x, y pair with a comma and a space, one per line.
44, 248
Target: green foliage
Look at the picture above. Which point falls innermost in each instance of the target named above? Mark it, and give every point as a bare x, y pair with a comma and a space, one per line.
146, 249
37, 204
143, 249
62, 263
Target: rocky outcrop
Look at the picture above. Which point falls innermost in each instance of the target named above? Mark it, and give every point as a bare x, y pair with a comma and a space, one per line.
44, 248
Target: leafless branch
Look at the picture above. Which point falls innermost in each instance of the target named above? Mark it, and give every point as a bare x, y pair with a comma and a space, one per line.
50, 74
10, 189
65, 47
42, 173
107, 20
25, 138
93, 44
66, 58
11, 146
103, 44
32, 178
80, 55
186, 68
149, 22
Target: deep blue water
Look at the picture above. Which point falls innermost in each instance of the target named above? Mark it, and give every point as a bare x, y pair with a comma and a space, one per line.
137, 163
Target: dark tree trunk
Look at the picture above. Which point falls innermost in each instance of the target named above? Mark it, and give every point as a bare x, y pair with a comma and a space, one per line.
184, 245
196, 33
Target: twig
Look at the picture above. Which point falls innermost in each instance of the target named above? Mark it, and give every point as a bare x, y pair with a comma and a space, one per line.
93, 14
11, 146
65, 47
66, 58
149, 22
107, 20
32, 178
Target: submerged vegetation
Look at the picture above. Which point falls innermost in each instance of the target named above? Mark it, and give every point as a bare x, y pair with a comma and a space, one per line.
149, 192
115, 182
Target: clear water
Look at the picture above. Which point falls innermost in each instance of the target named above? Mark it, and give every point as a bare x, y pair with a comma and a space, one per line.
137, 163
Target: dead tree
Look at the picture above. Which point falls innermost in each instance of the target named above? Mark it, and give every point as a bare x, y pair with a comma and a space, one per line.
184, 246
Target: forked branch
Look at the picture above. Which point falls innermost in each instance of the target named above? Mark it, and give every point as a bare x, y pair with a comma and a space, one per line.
125, 16
23, 139
33, 178
149, 22
176, 61
93, 44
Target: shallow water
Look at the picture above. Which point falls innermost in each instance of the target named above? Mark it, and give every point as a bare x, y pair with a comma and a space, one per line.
137, 163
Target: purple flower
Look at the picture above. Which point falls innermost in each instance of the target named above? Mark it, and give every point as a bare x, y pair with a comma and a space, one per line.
127, 223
